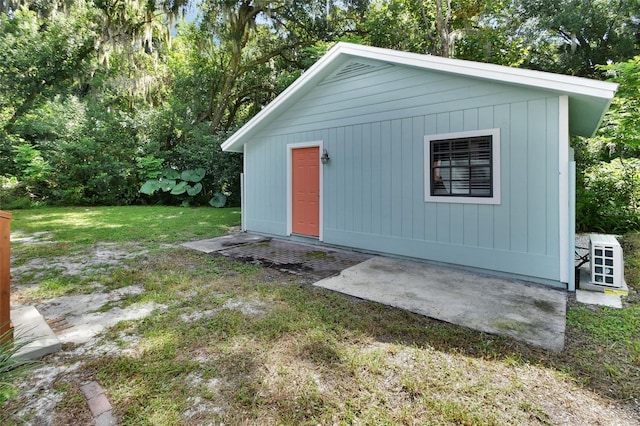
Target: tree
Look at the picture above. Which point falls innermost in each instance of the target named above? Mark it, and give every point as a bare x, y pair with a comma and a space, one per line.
608, 169
39, 59
133, 44
575, 36
619, 134
488, 35
248, 37
392, 25
468, 29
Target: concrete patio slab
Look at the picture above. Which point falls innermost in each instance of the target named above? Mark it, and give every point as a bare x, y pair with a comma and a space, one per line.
30, 326
528, 312
592, 294
220, 243
599, 298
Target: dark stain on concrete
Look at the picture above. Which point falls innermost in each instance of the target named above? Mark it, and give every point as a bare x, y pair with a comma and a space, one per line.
545, 306
299, 259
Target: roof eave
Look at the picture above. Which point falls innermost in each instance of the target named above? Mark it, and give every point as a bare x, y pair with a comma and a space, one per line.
316, 72
501, 73
601, 93
586, 114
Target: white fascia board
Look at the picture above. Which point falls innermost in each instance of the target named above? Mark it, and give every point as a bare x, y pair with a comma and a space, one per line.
316, 72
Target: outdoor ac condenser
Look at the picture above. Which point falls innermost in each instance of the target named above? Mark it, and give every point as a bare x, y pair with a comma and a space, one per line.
607, 267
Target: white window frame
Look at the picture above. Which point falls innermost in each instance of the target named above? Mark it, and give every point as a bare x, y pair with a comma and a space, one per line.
495, 162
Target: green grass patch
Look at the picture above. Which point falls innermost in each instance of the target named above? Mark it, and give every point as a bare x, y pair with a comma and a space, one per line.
89, 225
57, 286
66, 251
318, 254
631, 249
607, 325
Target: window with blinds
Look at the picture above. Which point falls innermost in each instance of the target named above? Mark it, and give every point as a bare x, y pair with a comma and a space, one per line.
463, 167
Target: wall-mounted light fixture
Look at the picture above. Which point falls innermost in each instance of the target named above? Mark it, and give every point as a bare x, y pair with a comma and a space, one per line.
325, 157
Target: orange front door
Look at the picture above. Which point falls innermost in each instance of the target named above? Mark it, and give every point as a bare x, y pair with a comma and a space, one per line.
306, 191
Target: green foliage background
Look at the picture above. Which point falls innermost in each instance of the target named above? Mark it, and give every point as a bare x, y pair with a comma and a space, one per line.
97, 96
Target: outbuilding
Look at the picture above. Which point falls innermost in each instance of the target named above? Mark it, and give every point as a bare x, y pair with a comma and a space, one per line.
449, 161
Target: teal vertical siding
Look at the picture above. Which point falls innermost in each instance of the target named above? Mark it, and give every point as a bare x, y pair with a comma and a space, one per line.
417, 194
518, 172
502, 215
537, 177
265, 186
374, 126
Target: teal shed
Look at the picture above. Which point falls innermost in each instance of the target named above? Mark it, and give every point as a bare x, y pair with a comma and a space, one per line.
449, 161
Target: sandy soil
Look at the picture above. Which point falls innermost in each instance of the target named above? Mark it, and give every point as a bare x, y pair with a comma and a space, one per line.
85, 318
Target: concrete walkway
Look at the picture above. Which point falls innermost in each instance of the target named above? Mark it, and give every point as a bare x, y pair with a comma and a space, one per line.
525, 311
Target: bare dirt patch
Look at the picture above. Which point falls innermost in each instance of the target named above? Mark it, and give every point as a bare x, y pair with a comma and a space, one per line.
83, 319
83, 337
101, 256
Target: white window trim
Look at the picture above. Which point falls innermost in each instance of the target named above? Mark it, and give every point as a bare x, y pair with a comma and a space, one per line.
290, 148
428, 176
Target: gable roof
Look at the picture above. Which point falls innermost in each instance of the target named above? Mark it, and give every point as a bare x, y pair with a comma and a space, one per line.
588, 99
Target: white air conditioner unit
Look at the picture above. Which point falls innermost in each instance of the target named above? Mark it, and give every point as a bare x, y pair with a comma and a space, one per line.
607, 267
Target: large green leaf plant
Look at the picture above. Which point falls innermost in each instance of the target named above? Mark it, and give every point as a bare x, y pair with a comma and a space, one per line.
177, 183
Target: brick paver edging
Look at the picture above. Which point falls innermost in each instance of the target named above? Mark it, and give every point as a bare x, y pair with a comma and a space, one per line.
98, 404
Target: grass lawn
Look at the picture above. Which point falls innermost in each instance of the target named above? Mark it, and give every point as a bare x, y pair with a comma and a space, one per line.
81, 226
233, 343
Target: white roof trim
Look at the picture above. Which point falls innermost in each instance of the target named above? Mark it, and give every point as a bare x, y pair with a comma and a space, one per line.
525, 77
310, 74
572, 86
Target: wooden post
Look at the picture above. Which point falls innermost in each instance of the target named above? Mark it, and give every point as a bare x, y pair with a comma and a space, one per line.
5, 274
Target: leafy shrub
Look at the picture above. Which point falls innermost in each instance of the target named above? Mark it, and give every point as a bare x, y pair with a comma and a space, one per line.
68, 152
149, 167
609, 198
187, 186
7, 144
72, 152
201, 149
13, 195
32, 169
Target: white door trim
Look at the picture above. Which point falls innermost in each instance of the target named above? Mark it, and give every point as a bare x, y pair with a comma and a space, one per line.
290, 148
